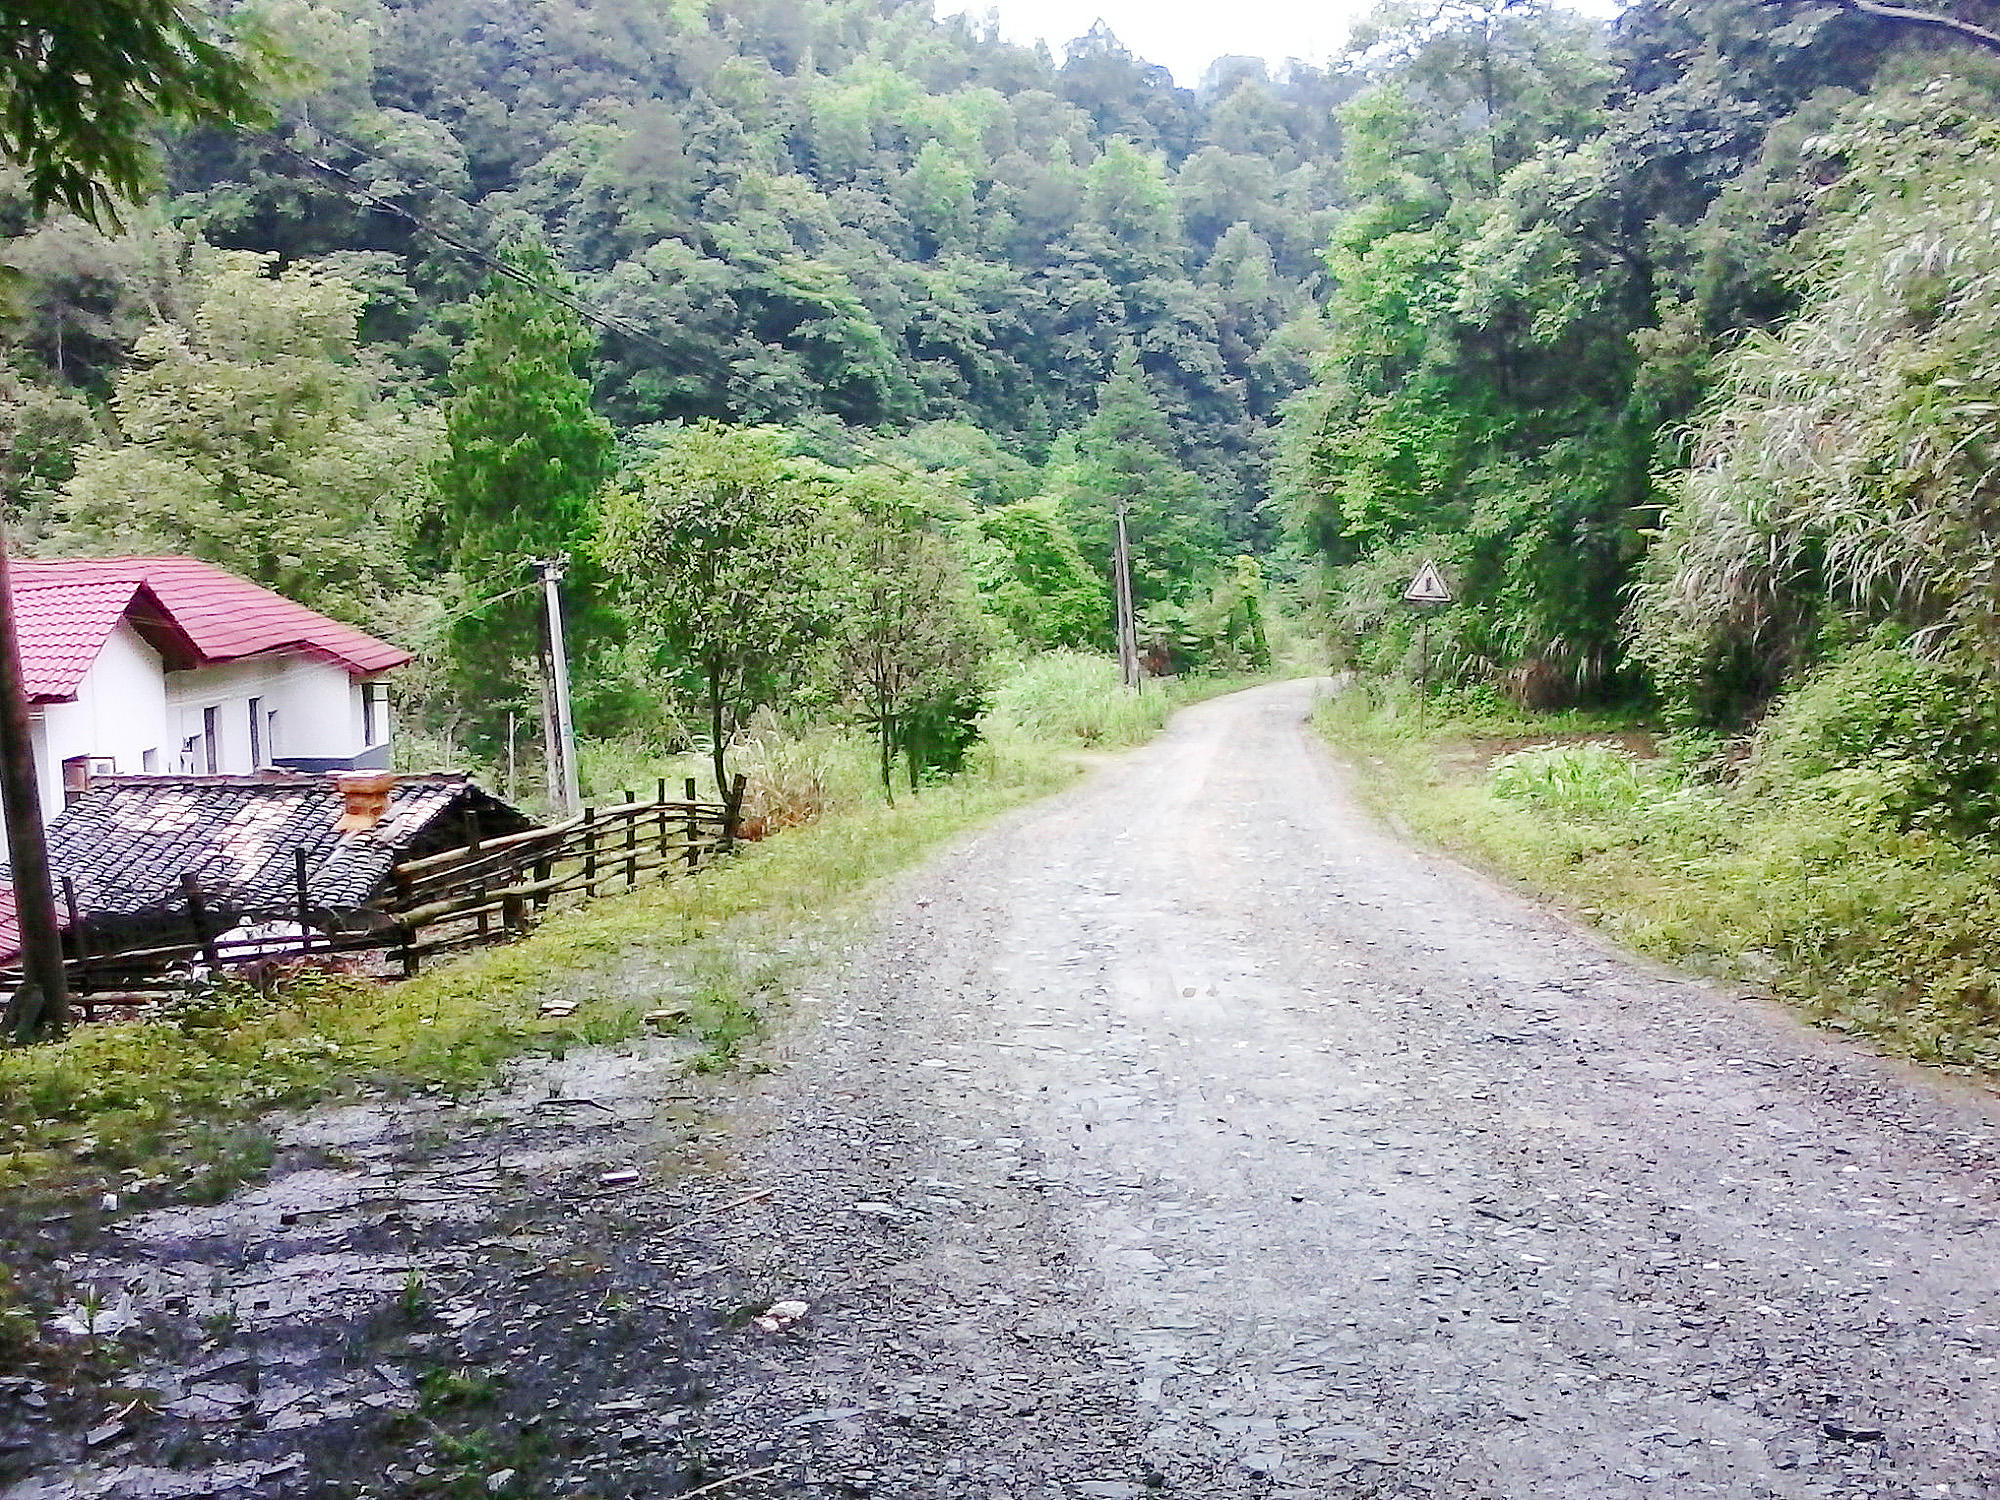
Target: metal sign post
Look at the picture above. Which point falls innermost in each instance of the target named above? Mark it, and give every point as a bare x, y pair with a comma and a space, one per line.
1427, 591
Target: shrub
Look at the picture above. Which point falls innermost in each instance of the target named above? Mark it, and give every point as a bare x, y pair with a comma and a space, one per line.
1076, 696
1886, 733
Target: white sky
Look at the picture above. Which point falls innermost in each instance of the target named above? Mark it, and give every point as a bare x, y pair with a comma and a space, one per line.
1187, 35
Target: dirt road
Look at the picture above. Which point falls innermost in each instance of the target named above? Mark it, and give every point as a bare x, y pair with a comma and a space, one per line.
1184, 1134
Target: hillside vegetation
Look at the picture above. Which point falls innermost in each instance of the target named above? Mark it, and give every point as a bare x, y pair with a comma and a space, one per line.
828, 340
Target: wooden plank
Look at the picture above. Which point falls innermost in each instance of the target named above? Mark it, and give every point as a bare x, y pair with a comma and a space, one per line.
447, 857
467, 867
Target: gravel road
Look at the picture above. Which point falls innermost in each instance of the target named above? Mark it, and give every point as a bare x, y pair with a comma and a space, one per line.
1187, 1133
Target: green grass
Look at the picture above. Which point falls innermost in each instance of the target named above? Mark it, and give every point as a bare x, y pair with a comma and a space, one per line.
173, 1105
1074, 698
1819, 898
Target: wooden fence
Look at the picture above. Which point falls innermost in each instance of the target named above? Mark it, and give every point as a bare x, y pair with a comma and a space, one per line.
464, 894
481, 891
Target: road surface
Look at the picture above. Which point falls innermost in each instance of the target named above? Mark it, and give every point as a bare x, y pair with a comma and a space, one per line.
1184, 1134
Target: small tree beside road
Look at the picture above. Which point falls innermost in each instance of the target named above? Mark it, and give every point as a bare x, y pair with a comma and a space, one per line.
720, 551
909, 642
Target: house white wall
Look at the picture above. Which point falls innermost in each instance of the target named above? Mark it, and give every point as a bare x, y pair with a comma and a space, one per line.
120, 713
136, 716
307, 709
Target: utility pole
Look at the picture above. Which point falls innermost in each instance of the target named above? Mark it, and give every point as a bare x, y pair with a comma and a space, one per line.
1128, 629
43, 1006
562, 749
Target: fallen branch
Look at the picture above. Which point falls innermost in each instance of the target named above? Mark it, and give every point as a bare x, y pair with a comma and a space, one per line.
744, 1201
729, 1479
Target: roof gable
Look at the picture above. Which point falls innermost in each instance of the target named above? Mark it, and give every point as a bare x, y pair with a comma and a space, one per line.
66, 609
62, 628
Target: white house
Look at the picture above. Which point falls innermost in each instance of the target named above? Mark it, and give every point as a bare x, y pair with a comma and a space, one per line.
168, 666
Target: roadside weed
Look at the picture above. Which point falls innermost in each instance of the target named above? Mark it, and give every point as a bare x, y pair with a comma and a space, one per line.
1820, 891
1590, 779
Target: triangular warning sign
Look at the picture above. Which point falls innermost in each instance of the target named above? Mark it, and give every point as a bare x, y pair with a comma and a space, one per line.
1427, 587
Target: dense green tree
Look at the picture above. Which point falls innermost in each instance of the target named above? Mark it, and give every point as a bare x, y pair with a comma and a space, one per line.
721, 553
1035, 581
255, 434
1844, 477
1479, 355
524, 459
41, 430
1126, 460
83, 84
882, 218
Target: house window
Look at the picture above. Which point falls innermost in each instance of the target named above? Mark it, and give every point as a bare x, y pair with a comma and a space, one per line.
76, 778
149, 761
211, 740
374, 713
256, 733
271, 733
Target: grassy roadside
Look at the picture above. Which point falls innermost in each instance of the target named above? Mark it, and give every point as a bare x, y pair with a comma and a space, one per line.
1810, 892
170, 1107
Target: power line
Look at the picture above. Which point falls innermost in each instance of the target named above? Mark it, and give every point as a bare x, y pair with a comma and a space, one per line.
367, 198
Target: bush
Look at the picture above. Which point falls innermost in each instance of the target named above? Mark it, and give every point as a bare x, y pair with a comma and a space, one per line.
1076, 696
1888, 733
791, 779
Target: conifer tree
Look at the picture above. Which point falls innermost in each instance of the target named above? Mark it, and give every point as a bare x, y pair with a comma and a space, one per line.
525, 458
1126, 456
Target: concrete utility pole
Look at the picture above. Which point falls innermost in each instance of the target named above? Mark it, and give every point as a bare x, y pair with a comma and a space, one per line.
1128, 627
43, 1008
563, 785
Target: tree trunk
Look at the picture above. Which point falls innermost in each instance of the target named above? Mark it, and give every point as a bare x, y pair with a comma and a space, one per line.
885, 735
715, 731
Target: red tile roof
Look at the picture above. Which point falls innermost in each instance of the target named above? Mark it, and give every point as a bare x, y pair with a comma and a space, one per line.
65, 610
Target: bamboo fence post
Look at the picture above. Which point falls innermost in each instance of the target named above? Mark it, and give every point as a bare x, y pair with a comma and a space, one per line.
660, 811
77, 945
304, 899
544, 868
590, 853
472, 848
408, 933
731, 811
693, 827
631, 843
198, 917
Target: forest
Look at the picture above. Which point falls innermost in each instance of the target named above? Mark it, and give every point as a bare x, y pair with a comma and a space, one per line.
1670, 339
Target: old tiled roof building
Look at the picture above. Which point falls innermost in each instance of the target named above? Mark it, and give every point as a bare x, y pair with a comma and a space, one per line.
125, 845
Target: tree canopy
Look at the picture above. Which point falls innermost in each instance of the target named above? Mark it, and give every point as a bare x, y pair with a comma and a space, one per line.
83, 83
1618, 323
